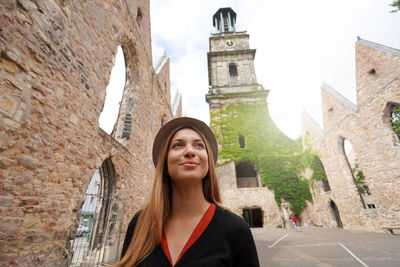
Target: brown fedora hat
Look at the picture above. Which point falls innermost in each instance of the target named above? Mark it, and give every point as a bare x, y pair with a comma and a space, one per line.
179, 123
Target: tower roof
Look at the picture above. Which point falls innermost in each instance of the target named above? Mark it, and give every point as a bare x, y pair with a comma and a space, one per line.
224, 20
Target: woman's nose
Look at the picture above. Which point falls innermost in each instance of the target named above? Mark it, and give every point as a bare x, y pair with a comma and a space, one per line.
189, 151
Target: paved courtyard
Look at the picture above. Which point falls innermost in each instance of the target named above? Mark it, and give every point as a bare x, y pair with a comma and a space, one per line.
326, 247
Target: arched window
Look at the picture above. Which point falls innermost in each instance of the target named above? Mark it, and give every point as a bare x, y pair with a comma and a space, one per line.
233, 70
139, 16
395, 118
242, 141
335, 213
319, 172
114, 91
246, 175
100, 220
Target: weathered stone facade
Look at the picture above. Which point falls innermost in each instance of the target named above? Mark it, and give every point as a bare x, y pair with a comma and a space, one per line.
56, 59
368, 127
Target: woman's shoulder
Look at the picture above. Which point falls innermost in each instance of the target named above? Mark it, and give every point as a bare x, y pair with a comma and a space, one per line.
231, 220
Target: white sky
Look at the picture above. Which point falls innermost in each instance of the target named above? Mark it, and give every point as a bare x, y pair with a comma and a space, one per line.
300, 45
114, 90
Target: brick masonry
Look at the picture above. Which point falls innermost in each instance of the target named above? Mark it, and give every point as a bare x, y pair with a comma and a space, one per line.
56, 60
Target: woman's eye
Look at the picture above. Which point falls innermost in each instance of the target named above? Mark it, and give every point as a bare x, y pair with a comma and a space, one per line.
200, 145
176, 145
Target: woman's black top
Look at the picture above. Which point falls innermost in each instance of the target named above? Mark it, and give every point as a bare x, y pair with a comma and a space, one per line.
227, 241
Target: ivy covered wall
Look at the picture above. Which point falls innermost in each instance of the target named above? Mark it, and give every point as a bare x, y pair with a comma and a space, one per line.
280, 160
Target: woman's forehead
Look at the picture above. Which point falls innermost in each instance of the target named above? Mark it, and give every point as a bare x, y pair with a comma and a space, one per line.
187, 133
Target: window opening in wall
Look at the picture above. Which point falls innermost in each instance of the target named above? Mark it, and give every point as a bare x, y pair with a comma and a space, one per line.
100, 220
114, 91
139, 16
253, 216
126, 131
163, 120
336, 214
356, 172
395, 118
246, 175
242, 141
371, 206
322, 175
233, 70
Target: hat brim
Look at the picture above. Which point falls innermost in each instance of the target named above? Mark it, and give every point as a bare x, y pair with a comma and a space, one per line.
179, 123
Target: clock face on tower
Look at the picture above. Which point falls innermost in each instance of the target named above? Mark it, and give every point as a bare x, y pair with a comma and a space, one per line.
229, 44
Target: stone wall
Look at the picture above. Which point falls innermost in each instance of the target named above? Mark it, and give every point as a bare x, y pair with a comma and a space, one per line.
237, 199
368, 127
56, 59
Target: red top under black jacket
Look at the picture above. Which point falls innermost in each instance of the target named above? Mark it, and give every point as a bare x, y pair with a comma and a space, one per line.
227, 241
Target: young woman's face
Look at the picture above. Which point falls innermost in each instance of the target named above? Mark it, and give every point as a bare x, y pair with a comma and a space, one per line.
187, 156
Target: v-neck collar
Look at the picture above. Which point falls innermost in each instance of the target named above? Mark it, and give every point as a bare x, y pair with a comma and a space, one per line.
200, 228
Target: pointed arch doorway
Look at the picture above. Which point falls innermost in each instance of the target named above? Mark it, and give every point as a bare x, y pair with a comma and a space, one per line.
101, 215
336, 214
253, 216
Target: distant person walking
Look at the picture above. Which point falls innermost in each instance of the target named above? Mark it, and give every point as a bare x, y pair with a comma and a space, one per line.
294, 219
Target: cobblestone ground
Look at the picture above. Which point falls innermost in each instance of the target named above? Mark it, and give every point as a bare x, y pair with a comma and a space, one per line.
326, 247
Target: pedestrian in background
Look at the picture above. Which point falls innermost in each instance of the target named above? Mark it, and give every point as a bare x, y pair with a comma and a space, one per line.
294, 220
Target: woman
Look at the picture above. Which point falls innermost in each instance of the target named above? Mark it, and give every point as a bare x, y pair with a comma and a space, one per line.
184, 224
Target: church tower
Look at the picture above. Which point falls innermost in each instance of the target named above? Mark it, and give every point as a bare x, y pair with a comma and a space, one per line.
231, 72
252, 150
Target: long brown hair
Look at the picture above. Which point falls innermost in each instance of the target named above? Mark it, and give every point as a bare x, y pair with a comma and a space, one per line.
148, 230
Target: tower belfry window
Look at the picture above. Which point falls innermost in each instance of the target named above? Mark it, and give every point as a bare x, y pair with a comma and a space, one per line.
224, 20
233, 70
226, 27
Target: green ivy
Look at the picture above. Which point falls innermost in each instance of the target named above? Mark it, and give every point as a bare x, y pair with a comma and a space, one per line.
396, 119
360, 179
279, 159
396, 5
318, 169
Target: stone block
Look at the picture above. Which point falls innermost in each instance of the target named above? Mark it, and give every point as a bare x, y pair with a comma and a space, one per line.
9, 66
11, 124
5, 162
74, 119
8, 104
27, 5
28, 162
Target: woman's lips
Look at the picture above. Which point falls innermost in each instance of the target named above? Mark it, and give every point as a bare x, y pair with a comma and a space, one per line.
190, 164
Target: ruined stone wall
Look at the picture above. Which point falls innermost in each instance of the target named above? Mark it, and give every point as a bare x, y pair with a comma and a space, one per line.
56, 59
374, 67
375, 144
163, 77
